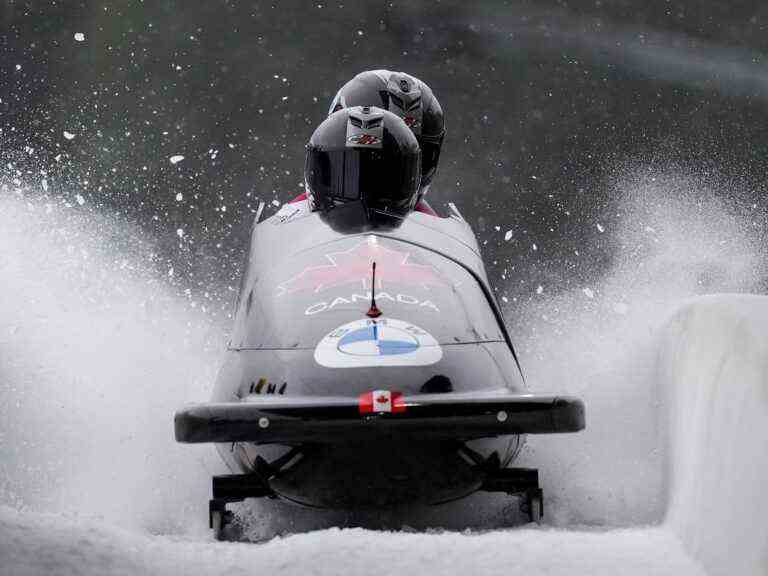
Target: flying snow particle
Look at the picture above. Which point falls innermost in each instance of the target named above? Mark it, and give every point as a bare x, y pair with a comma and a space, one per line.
18, 67
275, 203
535, 247
540, 289
180, 232
68, 135
80, 199
588, 293
176, 158
79, 36
179, 197
600, 228
508, 236
45, 185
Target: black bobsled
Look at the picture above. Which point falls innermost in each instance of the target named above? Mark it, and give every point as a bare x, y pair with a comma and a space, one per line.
348, 387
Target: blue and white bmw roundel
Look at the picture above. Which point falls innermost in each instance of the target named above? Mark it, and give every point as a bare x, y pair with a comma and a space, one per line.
381, 342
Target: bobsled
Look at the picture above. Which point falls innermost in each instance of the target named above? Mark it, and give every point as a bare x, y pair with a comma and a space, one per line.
370, 367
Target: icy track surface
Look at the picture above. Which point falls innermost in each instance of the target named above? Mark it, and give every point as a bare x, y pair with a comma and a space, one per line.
98, 348
45, 544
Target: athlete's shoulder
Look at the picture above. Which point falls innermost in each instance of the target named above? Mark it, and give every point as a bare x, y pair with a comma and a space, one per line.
424, 207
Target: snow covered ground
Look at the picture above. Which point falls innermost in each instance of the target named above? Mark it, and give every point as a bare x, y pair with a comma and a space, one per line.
97, 349
47, 544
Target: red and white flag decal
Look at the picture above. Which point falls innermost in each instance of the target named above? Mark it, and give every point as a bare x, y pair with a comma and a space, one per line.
381, 401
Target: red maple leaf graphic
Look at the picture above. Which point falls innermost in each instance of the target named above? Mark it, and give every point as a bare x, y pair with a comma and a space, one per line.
353, 266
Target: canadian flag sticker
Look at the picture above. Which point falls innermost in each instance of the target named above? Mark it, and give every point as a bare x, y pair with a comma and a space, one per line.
379, 401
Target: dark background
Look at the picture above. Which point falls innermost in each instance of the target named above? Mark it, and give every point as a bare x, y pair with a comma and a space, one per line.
548, 105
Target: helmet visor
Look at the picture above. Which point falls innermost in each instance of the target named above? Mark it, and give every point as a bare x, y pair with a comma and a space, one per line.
382, 181
430, 155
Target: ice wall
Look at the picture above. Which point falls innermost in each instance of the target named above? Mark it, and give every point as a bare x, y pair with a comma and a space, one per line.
713, 368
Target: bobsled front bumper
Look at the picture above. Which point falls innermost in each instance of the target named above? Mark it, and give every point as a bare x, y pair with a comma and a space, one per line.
331, 420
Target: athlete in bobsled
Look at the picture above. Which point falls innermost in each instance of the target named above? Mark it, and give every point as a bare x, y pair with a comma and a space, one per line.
369, 364
410, 99
363, 167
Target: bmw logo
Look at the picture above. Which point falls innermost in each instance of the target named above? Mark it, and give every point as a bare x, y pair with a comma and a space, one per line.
383, 342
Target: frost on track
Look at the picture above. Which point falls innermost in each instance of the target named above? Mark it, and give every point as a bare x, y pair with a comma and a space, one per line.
102, 549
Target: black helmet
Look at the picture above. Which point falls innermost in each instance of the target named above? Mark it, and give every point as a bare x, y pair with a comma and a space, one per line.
363, 155
409, 98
